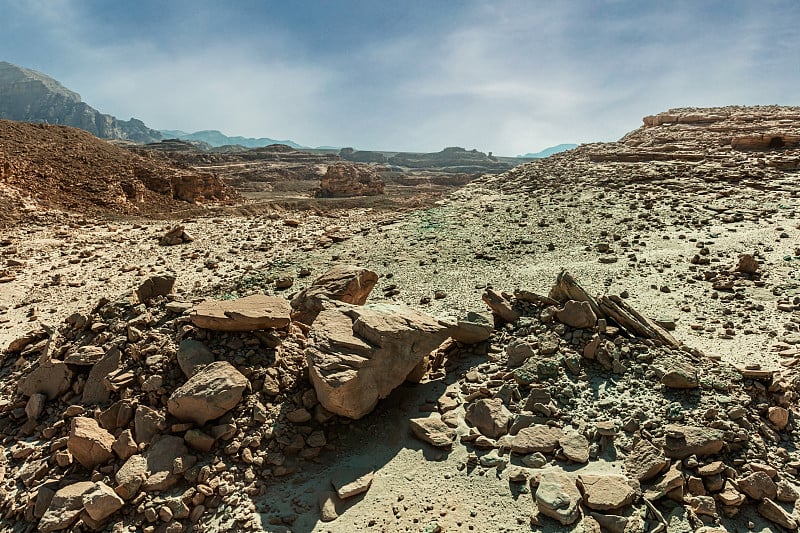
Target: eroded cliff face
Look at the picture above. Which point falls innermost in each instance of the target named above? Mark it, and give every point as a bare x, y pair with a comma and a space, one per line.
347, 179
31, 96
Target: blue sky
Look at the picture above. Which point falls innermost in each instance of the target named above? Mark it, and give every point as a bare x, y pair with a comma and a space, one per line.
503, 76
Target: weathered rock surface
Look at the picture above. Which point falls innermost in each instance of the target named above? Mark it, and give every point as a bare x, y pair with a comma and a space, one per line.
90, 444
490, 417
244, 314
683, 441
208, 394
192, 356
558, 497
345, 283
645, 461
433, 431
347, 179
358, 355
537, 438
606, 492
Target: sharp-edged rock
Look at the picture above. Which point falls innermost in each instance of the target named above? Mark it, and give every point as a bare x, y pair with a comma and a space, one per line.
244, 314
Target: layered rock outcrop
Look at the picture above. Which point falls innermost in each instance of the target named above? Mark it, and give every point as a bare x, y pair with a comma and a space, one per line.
345, 179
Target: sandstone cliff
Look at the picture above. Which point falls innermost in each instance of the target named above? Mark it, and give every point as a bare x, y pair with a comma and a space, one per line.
30, 96
345, 179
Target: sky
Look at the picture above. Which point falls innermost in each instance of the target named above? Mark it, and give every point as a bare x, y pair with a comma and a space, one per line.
505, 76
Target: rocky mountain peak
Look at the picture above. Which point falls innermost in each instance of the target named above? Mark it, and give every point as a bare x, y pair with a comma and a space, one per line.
30, 96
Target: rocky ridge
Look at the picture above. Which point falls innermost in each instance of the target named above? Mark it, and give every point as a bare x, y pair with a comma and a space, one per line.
57, 167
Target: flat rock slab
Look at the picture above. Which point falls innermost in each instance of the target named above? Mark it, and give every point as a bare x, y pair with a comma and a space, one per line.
606, 492
345, 283
575, 447
645, 461
250, 313
682, 441
433, 431
538, 438
52, 378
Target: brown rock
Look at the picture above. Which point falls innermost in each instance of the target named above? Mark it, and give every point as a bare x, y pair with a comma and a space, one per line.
670, 481
474, 328
148, 423
747, 264
94, 391
489, 416
730, 496
575, 447
577, 315
131, 476
160, 460
345, 283
558, 497
245, 314
64, 508
328, 502
433, 431
125, 445
347, 179
176, 235
351, 482
606, 493
500, 306
778, 416
358, 355
51, 378
192, 356
777, 515
681, 376
209, 394
101, 501
758, 486
683, 441
645, 461
537, 438
153, 286
88, 443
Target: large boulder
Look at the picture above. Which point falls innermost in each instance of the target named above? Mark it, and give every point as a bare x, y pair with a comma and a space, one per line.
209, 394
358, 355
345, 283
244, 314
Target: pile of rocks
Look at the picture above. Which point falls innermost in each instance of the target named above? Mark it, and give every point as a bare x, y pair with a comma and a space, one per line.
154, 412
568, 383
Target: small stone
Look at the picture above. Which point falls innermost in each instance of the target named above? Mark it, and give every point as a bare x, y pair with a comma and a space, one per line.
558, 497
776, 514
758, 486
349, 482
88, 443
489, 416
433, 431
606, 492
778, 416
575, 447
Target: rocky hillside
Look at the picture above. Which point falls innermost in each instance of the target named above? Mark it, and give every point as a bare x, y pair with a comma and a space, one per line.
31, 96
57, 167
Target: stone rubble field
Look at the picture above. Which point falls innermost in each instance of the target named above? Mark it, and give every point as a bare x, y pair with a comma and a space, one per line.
605, 340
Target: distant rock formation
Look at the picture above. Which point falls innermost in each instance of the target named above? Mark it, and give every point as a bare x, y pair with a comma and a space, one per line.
362, 156
216, 139
453, 159
345, 179
547, 152
30, 96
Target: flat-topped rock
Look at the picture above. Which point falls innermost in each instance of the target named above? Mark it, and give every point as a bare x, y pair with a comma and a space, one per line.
244, 314
558, 497
208, 394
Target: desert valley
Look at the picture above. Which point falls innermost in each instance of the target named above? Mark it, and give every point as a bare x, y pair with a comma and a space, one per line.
289, 339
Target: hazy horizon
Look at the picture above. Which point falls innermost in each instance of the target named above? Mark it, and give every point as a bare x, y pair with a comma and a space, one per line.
510, 77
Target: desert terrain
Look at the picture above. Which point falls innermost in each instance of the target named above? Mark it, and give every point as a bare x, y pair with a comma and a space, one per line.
603, 340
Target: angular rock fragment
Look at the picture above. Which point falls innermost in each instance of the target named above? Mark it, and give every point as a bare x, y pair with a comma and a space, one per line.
537, 438
358, 355
209, 394
577, 315
606, 492
758, 486
558, 497
473, 328
500, 306
66, 505
433, 431
683, 441
193, 355
153, 286
345, 283
575, 447
244, 314
490, 417
777, 515
351, 482
90, 444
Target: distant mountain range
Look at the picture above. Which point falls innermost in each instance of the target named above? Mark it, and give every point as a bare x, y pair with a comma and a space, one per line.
30, 96
216, 138
547, 152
